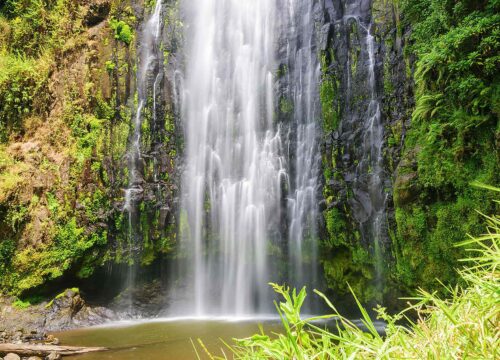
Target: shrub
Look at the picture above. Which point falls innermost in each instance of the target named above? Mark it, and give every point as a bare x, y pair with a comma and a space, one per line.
123, 32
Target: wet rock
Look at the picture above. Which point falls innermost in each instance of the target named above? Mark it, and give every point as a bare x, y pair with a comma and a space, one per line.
147, 299
97, 13
12, 356
53, 356
68, 310
405, 190
322, 205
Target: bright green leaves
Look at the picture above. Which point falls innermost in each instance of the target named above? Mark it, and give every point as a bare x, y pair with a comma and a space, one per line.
123, 32
293, 302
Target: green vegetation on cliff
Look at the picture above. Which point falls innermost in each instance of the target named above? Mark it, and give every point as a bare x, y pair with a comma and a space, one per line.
453, 138
58, 134
434, 149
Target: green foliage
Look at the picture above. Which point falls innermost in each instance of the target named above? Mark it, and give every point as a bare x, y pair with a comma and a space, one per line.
52, 203
328, 93
33, 22
7, 249
40, 45
453, 137
22, 83
16, 216
463, 326
110, 66
123, 32
21, 304
34, 266
87, 129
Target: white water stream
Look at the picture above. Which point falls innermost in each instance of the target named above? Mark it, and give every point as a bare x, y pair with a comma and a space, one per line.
242, 180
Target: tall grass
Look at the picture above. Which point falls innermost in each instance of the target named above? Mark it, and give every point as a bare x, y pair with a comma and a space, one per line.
464, 325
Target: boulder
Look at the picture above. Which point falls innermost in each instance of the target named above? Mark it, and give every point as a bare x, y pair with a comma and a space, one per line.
12, 356
53, 356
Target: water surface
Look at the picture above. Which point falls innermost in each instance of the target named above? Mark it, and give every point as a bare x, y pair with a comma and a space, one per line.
166, 340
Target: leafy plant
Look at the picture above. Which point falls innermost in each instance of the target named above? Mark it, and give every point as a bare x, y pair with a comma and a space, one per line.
123, 32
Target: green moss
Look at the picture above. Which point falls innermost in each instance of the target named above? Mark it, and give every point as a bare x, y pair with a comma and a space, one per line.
452, 139
22, 89
336, 226
21, 304
61, 295
286, 106
346, 267
328, 96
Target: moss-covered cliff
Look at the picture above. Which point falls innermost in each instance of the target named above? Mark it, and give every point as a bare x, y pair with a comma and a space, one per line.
67, 97
438, 65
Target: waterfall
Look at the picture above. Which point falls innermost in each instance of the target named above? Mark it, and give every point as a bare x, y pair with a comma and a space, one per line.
361, 185
373, 161
301, 86
148, 74
249, 183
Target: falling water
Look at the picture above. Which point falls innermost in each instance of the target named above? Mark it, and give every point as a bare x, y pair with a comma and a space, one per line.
147, 77
373, 144
369, 198
237, 181
302, 86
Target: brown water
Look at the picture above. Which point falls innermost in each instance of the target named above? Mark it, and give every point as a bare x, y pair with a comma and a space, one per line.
165, 340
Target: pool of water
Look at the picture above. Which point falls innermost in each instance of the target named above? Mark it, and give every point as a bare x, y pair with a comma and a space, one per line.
166, 339
171, 339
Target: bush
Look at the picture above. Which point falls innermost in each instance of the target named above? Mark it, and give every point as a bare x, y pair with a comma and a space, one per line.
123, 32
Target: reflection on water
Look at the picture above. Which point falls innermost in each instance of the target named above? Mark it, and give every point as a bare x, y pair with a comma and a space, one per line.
169, 339
166, 340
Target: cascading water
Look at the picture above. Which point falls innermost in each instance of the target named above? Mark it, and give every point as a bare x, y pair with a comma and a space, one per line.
301, 85
233, 164
245, 173
360, 184
148, 75
372, 164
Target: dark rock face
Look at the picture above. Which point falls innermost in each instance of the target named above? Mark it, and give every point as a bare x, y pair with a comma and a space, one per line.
142, 300
97, 13
70, 310
368, 101
153, 171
